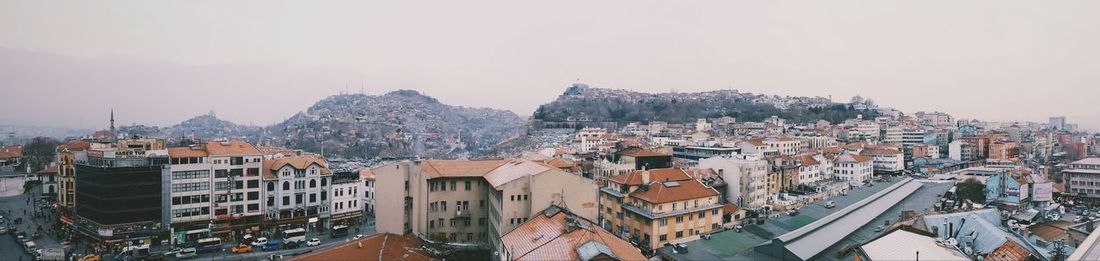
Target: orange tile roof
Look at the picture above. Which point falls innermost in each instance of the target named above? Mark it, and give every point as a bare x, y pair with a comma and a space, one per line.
849, 158
1009, 251
730, 208
547, 238
664, 192
231, 148
11, 152
879, 151
49, 170
635, 178
807, 159
561, 163
458, 168
186, 152
75, 145
375, 247
272, 166
366, 173
640, 152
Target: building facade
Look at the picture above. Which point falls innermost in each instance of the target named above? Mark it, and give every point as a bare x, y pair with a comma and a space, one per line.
659, 206
296, 193
213, 190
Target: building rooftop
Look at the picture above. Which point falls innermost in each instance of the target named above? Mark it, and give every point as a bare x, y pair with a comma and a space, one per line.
673, 191
810, 240
512, 170
271, 166
231, 148
905, 245
666, 174
557, 234
1087, 161
458, 168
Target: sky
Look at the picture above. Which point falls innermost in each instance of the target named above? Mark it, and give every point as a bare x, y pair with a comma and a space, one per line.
259, 62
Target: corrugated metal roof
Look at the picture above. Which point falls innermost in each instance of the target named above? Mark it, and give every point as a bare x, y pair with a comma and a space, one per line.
808, 241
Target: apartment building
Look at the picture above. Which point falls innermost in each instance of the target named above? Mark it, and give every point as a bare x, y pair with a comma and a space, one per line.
347, 204
746, 179
213, 189
853, 168
297, 193
473, 201
886, 160
366, 176
659, 206
785, 145
68, 155
1083, 178
1004, 150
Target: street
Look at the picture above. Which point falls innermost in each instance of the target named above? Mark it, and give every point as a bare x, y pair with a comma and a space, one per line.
367, 228
15, 205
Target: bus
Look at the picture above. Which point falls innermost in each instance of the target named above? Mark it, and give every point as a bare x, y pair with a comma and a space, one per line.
297, 236
339, 231
207, 245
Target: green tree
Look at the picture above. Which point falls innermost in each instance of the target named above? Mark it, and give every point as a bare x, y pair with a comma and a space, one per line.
39, 152
971, 189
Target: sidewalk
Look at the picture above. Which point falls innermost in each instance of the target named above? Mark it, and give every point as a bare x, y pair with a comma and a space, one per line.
26, 207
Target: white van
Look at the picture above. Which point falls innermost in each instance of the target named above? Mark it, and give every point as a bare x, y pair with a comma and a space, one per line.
186, 253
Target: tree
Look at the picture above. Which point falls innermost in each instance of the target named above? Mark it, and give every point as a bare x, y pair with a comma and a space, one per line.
971, 189
39, 152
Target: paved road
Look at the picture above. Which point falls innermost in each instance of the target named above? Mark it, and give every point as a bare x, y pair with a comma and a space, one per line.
23, 205
367, 228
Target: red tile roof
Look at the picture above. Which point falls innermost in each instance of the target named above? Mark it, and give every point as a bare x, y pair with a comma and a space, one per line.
635, 178
458, 168
272, 166
376, 247
640, 152
672, 191
549, 238
231, 148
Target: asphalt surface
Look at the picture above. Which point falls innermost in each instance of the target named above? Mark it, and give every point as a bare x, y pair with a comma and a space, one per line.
13, 203
367, 228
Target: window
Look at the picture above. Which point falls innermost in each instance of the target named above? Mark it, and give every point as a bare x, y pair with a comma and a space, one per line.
324, 182
312, 198
481, 203
253, 195
664, 238
679, 219
270, 201
714, 212
324, 196
481, 221
253, 184
298, 199
271, 186
664, 222
431, 223
453, 184
313, 183
679, 234
286, 200
286, 185
468, 185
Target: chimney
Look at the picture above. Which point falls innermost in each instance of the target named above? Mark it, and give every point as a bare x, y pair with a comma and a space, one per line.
645, 177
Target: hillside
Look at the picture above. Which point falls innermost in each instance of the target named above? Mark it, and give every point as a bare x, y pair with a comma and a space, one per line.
398, 124
206, 126
582, 103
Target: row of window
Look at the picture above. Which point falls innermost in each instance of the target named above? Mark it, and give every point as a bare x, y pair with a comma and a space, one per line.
187, 212
183, 200
350, 204
459, 205
191, 174
442, 185
195, 186
455, 222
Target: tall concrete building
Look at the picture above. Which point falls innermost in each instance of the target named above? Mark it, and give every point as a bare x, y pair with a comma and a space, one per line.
1058, 123
473, 202
747, 179
213, 190
119, 190
1083, 178
659, 206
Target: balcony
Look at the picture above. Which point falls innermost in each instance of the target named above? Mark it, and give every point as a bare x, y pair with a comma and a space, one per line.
462, 213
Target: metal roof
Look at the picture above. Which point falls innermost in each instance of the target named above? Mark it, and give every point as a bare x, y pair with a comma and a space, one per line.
808, 241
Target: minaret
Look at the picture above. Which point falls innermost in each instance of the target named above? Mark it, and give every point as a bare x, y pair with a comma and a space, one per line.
112, 120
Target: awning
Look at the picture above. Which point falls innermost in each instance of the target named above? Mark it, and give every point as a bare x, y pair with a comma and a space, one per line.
196, 231
67, 220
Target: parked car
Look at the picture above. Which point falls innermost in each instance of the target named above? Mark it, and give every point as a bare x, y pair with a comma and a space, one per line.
358, 236
313, 242
186, 253
90, 257
793, 212
259, 242
272, 245
1078, 219
242, 248
276, 256
830, 204
3, 230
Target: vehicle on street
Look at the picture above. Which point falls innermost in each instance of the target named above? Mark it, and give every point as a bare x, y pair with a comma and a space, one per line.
3, 230
792, 212
276, 256
272, 245
259, 242
30, 246
90, 257
314, 242
242, 248
1078, 219
186, 253
358, 236
207, 245
339, 231
830, 204
297, 235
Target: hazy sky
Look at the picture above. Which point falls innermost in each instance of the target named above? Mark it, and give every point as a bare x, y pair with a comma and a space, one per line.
160, 62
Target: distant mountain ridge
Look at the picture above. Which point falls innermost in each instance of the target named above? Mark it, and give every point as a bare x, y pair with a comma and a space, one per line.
580, 103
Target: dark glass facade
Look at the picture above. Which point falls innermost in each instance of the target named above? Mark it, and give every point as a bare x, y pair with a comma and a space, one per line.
119, 195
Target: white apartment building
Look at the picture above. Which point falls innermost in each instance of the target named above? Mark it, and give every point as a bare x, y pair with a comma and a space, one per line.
869, 130
347, 204
885, 160
213, 190
366, 176
785, 145
746, 179
297, 192
809, 170
853, 168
